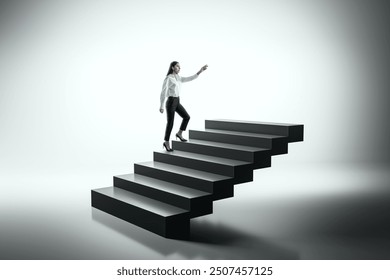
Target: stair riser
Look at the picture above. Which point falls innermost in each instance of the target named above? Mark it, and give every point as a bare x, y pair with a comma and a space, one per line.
194, 164
259, 159
293, 132
231, 139
241, 174
276, 145
171, 227
197, 206
213, 151
219, 190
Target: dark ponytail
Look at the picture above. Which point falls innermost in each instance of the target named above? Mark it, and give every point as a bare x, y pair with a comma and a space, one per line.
173, 64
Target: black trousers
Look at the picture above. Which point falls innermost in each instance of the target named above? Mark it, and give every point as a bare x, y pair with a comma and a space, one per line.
173, 106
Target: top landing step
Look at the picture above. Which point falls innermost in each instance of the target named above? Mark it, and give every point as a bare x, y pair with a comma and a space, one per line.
293, 132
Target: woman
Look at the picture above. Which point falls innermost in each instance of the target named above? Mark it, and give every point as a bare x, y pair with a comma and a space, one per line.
171, 89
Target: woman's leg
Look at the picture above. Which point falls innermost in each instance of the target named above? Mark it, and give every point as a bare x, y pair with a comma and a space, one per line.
186, 117
170, 108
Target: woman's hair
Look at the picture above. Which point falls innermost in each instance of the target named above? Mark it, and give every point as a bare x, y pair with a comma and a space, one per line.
173, 64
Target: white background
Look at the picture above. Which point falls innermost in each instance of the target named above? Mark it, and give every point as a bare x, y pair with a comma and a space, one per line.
80, 83
80, 80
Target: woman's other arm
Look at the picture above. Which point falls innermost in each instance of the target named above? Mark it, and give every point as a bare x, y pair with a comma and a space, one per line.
163, 94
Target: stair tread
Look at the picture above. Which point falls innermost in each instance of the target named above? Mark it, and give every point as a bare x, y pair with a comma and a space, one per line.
220, 160
212, 177
164, 186
254, 122
151, 205
239, 133
228, 146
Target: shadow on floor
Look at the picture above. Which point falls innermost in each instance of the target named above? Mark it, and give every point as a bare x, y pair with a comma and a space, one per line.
207, 241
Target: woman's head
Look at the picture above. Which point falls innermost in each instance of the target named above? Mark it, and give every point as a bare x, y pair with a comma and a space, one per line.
174, 67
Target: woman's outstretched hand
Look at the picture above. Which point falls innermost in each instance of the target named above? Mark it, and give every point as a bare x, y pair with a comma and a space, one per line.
202, 69
161, 111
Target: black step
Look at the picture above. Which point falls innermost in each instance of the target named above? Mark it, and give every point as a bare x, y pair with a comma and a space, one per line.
197, 202
241, 171
259, 157
276, 143
294, 132
218, 185
155, 216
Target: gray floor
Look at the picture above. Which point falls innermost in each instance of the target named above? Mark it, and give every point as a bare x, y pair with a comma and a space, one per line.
290, 211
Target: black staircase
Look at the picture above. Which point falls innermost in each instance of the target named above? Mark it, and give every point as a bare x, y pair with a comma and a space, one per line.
164, 194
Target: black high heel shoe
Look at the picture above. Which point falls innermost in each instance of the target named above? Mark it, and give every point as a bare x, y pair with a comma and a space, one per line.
181, 138
167, 148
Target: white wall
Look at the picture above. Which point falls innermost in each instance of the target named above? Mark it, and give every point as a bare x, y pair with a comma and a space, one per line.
80, 80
